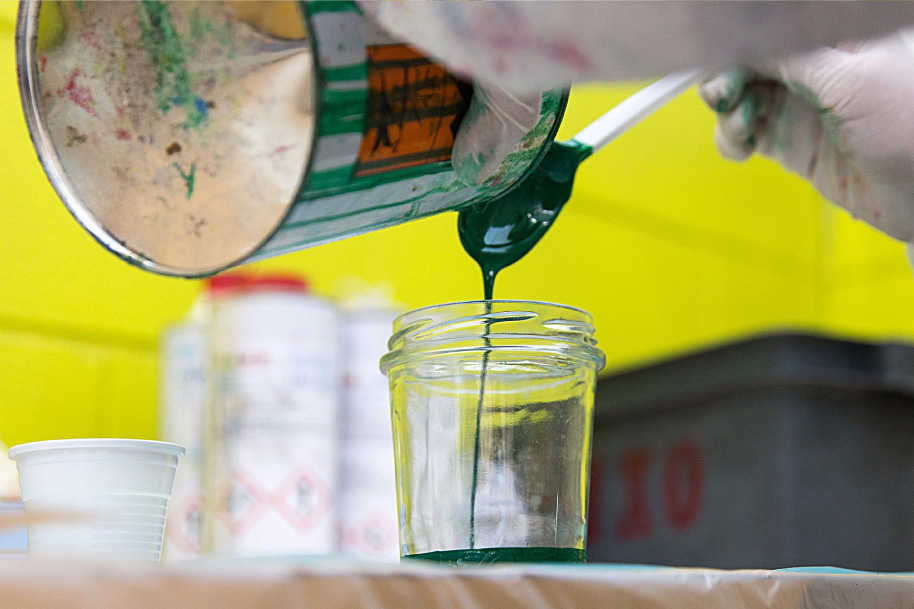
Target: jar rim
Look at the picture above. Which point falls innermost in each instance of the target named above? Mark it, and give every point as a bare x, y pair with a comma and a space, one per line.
523, 326
494, 302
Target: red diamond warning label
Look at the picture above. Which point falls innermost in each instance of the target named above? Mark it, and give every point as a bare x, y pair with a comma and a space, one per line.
185, 524
375, 534
241, 502
303, 499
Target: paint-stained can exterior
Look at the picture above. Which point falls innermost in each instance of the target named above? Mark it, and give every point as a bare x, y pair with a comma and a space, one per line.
189, 137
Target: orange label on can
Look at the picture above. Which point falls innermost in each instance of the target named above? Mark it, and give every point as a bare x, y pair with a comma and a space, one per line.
414, 108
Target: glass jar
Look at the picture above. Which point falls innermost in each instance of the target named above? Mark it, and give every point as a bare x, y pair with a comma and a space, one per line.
492, 407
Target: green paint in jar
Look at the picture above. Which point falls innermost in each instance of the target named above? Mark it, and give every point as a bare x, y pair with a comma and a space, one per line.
486, 556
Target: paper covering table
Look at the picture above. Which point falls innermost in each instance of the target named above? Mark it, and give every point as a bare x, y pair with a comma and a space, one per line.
30, 585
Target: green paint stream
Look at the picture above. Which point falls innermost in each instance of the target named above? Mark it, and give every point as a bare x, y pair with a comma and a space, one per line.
498, 233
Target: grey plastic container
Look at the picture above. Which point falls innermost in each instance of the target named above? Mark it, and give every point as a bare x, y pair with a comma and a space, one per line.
779, 451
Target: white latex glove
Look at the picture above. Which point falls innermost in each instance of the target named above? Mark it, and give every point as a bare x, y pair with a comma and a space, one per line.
494, 124
841, 117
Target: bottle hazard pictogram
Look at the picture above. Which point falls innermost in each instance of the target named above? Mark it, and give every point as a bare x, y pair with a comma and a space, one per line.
375, 534
303, 499
185, 524
241, 502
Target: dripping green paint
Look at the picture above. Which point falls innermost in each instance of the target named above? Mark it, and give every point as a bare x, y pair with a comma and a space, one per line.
498, 233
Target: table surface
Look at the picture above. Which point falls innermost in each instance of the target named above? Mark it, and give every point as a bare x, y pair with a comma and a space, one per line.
336, 584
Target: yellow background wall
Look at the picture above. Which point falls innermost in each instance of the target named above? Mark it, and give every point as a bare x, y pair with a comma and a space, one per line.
669, 246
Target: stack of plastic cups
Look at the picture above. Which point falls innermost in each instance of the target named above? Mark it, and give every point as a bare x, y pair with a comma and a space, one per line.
97, 498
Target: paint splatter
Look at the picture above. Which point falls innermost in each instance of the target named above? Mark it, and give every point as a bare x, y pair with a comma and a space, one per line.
80, 95
162, 42
121, 134
74, 136
90, 37
188, 178
281, 149
226, 37
199, 25
202, 107
196, 224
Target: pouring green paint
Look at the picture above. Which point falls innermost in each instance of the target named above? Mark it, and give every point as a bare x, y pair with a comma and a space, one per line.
498, 233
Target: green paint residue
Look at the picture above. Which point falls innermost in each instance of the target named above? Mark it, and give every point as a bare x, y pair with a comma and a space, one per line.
484, 556
200, 27
735, 82
498, 233
807, 94
831, 121
751, 107
515, 164
188, 178
226, 37
163, 43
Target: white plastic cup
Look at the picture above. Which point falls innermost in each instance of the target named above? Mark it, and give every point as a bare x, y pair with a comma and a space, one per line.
114, 491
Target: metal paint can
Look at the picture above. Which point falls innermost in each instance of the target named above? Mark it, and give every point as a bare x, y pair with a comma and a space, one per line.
189, 137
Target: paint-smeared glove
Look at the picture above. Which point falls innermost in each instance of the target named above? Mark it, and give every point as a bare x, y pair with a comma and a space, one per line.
494, 124
841, 117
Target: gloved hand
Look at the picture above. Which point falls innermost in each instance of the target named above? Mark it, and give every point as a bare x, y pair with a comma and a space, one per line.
841, 117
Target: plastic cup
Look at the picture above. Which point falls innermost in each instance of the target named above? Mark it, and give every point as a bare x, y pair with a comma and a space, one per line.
98, 498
